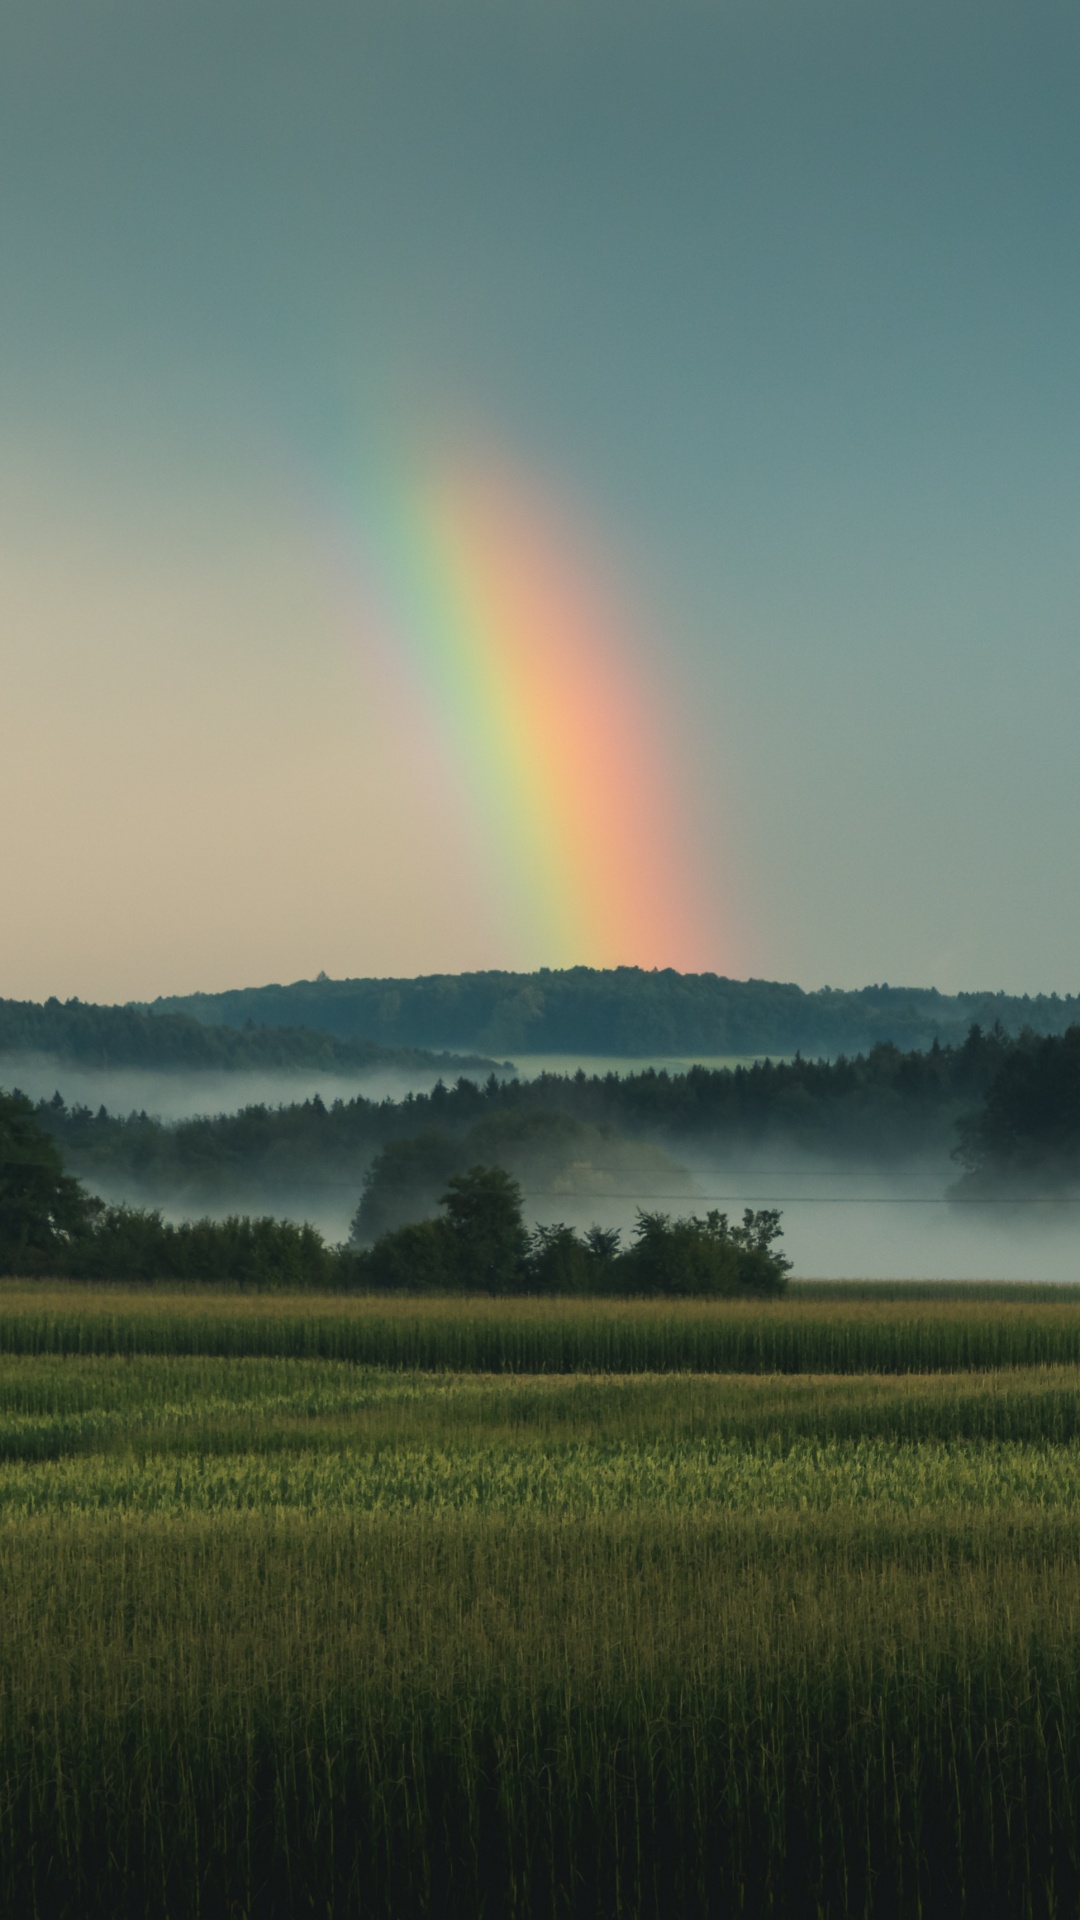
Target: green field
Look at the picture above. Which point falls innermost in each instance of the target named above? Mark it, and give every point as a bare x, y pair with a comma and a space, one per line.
295, 1625
815, 1328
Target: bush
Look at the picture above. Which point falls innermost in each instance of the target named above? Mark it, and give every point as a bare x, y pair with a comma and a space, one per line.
681, 1256
481, 1246
418, 1258
126, 1243
561, 1261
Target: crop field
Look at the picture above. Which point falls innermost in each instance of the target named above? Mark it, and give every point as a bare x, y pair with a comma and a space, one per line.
289, 1631
814, 1329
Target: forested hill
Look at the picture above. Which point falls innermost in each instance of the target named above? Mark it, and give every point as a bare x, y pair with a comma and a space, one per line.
90, 1036
625, 1012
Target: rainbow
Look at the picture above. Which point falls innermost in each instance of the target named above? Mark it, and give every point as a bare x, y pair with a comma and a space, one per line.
515, 643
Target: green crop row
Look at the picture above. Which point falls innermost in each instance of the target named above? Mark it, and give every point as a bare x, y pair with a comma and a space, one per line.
51, 1405
572, 1478
795, 1335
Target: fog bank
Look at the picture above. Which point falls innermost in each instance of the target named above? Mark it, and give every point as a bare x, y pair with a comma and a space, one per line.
840, 1220
844, 1222
173, 1094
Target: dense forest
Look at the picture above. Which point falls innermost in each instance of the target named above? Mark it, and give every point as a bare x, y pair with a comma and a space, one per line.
1025, 1136
85, 1035
624, 1011
469, 1023
559, 1133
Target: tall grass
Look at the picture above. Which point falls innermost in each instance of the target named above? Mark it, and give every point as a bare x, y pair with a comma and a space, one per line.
873, 1476
54, 1405
795, 1335
289, 1635
635, 1716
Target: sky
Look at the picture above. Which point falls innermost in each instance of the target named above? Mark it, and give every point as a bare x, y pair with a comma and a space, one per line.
516, 483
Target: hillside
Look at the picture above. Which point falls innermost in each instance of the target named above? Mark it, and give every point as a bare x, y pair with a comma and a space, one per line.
84, 1035
624, 1011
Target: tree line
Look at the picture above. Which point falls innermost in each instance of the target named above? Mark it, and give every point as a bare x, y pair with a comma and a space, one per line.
50, 1225
87, 1035
1024, 1138
1015, 1106
878, 1108
479, 1242
626, 1011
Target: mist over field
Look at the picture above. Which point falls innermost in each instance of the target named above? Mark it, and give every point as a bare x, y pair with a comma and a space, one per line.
167, 1093
842, 1219
172, 1095
846, 1224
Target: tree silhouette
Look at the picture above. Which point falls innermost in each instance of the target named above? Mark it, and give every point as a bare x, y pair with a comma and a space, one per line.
42, 1209
486, 1228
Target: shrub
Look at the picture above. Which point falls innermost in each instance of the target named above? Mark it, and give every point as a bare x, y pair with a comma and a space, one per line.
561, 1261
419, 1258
128, 1243
681, 1256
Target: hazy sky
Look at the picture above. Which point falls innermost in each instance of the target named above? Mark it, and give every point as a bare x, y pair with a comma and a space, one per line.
776, 305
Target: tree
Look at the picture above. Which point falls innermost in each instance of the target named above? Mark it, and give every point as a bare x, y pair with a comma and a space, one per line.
487, 1231
403, 1182
763, 1269
1026, 1135
479, 1245
130, 1243
707, 1256
680, 1256
418, 1258
42, 1209
561, 1262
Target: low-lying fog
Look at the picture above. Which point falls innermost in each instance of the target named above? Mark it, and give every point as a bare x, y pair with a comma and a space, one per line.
845, 1223
842, 1224
175, 1094
839, 1222
530, 1066
172, 1094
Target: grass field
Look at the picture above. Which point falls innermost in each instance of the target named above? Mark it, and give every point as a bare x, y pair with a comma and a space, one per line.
288, 1634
